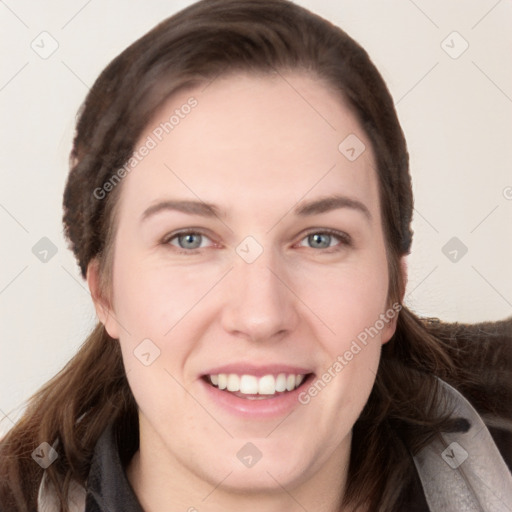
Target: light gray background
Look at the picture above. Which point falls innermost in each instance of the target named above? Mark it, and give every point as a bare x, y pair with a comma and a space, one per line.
456, 114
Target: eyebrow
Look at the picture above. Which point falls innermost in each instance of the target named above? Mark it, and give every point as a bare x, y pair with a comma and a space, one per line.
184, 206
329, 203
304, 209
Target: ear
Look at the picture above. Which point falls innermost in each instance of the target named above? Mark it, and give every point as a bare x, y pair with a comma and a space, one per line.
101, 303
393, 310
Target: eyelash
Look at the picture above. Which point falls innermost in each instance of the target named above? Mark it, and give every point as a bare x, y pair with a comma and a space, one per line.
344, 239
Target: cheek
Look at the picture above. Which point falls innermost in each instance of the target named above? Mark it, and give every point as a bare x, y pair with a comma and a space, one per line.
347, 300
163, 305
152, 297
351, 303
352, 354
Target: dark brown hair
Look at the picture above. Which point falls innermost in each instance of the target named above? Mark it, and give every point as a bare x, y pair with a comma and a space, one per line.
207, 39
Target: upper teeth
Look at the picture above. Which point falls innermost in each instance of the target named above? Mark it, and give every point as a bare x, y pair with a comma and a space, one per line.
251, 385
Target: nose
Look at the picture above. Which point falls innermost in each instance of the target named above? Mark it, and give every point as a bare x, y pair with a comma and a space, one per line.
260, 304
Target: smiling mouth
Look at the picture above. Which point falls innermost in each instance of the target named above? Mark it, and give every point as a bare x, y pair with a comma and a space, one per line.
251, 387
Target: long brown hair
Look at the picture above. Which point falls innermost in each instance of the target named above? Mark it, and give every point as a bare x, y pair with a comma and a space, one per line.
209, 38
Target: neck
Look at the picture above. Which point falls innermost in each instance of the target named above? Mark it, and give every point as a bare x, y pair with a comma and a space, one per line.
161, 482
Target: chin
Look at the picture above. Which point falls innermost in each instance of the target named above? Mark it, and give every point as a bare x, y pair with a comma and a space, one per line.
258, 466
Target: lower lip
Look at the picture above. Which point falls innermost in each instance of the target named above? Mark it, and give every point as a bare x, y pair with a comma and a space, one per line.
278, 405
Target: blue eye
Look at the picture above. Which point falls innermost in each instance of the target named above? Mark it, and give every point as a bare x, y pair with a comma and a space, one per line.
323, 239
320, 240
188, 240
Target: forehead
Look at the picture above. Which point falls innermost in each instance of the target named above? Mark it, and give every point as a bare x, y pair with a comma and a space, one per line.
249, 139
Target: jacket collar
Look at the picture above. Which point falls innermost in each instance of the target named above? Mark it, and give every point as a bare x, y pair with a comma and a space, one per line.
108, 489
464, 470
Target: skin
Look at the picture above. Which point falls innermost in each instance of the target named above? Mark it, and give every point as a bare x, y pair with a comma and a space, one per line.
255, 148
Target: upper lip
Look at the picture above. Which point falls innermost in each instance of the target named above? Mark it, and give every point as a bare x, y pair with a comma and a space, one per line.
258, 370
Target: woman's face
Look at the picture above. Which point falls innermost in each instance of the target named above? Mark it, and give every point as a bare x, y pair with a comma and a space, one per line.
232, 268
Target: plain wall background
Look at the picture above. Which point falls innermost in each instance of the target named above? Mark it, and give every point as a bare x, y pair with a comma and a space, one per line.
456, 114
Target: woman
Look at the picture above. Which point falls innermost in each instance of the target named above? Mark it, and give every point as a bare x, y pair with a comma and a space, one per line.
239, 202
